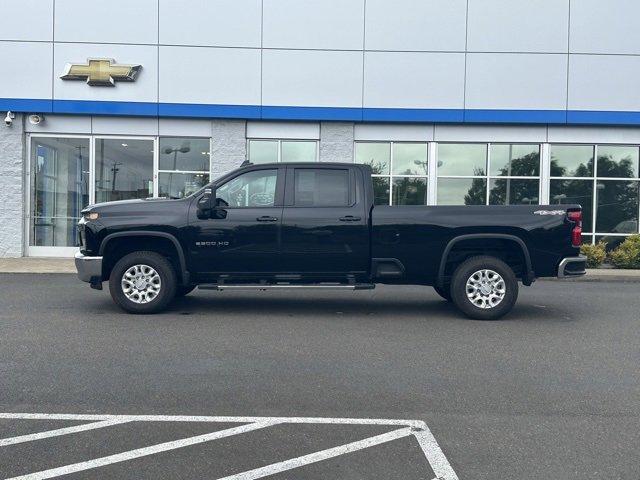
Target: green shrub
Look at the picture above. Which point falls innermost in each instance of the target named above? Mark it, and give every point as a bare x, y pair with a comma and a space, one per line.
596, 254
627, 255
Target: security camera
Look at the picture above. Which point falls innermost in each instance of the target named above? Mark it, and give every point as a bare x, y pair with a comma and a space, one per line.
8, 120
36, 119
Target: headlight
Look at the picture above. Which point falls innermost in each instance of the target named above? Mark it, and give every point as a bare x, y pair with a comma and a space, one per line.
91, 215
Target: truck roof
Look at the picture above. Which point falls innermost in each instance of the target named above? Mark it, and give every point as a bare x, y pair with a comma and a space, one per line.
304, 164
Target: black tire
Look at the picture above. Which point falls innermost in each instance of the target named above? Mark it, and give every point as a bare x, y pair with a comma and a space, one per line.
182, 291
473, 310
167, 285
444, 291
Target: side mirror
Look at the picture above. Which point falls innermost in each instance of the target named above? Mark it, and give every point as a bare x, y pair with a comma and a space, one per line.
205, 203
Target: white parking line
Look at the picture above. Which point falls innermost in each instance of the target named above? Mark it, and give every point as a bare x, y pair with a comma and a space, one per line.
141, 452
319, 456
432, 451
60, 431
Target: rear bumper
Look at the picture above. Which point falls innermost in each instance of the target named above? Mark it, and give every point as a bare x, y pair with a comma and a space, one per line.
572, 267
89, 268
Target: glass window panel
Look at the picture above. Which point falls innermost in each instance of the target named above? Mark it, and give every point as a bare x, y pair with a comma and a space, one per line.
462, 191
515, 160
251, 189
380, 190
124, 169
616, 161
377, 155
564, 192
184, 154
617, 206
612, 241
462, 159
59, 189
409, 159
571, 160
263, 151
409, 191
512, 191
321, 187
180, 185
298, 151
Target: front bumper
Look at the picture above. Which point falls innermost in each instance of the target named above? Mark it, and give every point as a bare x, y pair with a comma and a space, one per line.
89, 268
572, 266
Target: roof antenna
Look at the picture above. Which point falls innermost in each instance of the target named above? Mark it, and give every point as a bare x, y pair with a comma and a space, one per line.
246, 163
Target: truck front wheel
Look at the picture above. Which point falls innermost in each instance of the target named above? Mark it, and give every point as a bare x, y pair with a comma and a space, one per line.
143, 282
484, 288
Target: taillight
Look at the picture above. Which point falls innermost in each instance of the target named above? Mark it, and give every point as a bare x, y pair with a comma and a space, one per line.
576, 233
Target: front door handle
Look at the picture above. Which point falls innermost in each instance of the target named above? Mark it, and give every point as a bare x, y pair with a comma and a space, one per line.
267, 218
349, 218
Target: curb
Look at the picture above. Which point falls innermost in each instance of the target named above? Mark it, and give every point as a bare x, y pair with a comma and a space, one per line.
601, 275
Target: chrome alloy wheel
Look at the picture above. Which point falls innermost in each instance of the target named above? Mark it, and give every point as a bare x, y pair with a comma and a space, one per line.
486, 288
140, 283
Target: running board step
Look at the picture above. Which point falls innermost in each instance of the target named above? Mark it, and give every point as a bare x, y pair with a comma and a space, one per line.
257, 286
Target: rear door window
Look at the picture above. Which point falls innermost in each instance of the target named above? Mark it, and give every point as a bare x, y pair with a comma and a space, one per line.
322, 187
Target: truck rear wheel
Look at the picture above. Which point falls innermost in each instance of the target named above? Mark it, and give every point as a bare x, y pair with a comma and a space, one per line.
484, 288
143, 282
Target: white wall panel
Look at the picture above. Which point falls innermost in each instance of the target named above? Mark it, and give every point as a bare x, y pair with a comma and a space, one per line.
411, 25
491, 133
392, 132
115, 21
222, 23
187, 127
605, 26
61, 124
312, 78
144, 89
516, 81
601, 134
124, 126
518, 26
329, 24
294, 130
210, 75
30, 72
604, 82
26, 20
414, 80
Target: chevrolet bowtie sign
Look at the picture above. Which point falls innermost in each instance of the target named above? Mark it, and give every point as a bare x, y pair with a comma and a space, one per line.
101, 72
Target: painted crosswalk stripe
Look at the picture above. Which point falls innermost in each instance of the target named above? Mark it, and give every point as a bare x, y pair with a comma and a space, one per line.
60, 431
142, 452
319, 456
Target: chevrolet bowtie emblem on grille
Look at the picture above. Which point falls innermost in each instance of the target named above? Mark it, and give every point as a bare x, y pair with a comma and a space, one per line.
101, 72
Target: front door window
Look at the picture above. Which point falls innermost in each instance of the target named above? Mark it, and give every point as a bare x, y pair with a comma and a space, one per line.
252, 189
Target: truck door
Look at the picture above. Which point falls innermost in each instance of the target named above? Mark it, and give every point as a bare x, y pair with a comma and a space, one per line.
324, 222
242, 235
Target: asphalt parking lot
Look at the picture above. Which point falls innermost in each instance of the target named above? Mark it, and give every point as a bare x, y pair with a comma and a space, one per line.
259, 383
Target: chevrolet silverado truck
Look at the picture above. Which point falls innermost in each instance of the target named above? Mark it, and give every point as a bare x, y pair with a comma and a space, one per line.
301, 225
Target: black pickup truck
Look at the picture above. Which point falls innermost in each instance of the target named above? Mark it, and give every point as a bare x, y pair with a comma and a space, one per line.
302, 225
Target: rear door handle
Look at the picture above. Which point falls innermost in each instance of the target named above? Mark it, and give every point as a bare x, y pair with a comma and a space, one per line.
267, 218
349, 218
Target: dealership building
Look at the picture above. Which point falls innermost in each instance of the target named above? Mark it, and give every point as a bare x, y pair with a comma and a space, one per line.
450, 101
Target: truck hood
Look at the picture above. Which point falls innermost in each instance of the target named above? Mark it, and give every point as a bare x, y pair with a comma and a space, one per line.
134, 208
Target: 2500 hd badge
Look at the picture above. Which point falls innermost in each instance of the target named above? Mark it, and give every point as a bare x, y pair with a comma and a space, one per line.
316, 226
